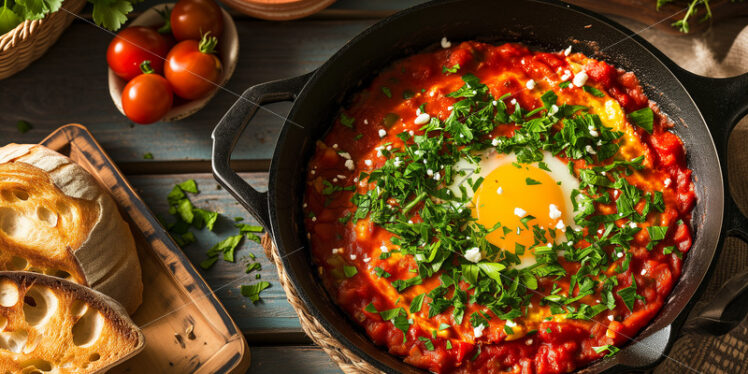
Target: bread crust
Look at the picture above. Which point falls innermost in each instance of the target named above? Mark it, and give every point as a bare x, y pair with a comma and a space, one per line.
51, 341
56, 219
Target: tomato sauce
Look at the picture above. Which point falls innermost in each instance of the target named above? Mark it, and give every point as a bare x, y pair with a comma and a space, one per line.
390, 106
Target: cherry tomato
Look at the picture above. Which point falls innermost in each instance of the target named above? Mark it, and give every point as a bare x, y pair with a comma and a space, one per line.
191, 19
147, 97
134, 45
192, 68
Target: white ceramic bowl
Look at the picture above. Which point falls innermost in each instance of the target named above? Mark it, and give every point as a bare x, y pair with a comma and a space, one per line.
228, 46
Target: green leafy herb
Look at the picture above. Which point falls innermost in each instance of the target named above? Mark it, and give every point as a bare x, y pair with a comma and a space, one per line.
452, 70
611, 349
148, 156
386, 91
252, 291
347, 121
349, 271
531, 182
593, 91
22, 126
643, 118
189, 186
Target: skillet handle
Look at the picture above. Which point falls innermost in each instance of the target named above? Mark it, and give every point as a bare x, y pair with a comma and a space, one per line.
231, 126
723, 102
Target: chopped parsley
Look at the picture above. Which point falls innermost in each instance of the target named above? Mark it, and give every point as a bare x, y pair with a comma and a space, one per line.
643, 118
252, 291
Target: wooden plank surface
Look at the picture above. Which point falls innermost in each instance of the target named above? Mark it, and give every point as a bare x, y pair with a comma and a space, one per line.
292, 360
272, 319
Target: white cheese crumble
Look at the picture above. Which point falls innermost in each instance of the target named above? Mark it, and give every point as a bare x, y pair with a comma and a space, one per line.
314, 219
437, 176
495, 141
580, 79
553, 211
519, 212
499, 190
334, 146
589, 150
644, 271
382, 133
633, 225
510, 323
530, 84
345, 155
367, 259
478, 331
349, 164
368, 162
445, 43
560, 225
667, 182
366, 122
473, 255
353, 257
384, 249
554, 109
513, 101
619, 254
342, 176
610, 317
567, 51
422, 119
336, 251
494, 103
430, 173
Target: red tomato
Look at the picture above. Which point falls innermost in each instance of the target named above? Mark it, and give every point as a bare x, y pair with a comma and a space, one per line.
134, 45
192, 68
191, 19
147, 97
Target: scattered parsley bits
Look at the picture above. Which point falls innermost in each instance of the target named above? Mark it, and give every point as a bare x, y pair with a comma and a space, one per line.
252, 291
531, 182
452, 70
643, 118
23, 126
611, 349
349, 271
347, 121
148, 156
593, 91
386, 91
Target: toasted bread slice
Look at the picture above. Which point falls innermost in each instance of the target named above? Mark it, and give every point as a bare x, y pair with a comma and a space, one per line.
48, 324
56, 219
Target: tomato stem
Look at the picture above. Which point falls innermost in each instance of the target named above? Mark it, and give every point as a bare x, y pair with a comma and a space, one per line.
146, 68
166, 16
208, 43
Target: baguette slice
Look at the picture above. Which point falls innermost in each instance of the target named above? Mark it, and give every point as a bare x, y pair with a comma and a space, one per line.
50, 325
56, 219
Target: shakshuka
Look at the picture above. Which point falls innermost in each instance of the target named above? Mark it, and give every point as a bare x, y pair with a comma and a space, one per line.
483, 208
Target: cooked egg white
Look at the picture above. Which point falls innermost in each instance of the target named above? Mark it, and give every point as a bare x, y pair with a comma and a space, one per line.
512, 191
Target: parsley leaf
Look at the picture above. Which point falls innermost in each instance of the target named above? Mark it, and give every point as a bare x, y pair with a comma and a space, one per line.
349, 271
643, 118
531, 181
111, 14
23, 126
252, 291
593, 91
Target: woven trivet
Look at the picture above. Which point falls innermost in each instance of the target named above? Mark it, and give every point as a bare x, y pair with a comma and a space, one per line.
346, 360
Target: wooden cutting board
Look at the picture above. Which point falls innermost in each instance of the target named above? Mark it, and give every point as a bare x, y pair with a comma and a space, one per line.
645, 11
186, 328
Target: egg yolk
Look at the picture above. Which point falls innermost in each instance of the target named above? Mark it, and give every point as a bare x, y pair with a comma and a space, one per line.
510, 193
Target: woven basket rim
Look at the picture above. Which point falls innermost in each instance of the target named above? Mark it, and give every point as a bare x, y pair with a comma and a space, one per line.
17, 35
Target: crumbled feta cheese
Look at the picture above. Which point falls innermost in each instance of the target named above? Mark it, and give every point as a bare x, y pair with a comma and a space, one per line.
366, 122
367, 259
335, 146
411, 132
644, 271
345, 155
473, 255
566, 76
633, 225
349, 164
530, 84
499, 190
513, 101
336, 251
382, 133
600, 231
342, 176
667, 182
397, 162
495, 141
589, 150
368, 162
450, 107
519, 212
437, 176
567, 51
554, 109
384, 249
304, 205
580, 79
560, 225
610, 317
528, 341
353, 257
430, 173
418, 112
553, 211
313, 172
314, 219
389, 147
494, 103
422, 119
594, 133
334, 180
619, 254
478, 331
432, 93
445, 43
510, 323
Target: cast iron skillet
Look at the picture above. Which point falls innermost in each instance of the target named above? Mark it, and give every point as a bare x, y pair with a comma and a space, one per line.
700, 106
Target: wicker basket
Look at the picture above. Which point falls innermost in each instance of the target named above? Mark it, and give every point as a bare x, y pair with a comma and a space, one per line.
29, 40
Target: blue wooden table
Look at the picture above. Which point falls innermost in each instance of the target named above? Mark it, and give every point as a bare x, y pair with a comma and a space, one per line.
69, 85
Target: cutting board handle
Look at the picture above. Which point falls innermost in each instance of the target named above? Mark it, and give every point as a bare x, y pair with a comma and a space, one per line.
230, 127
